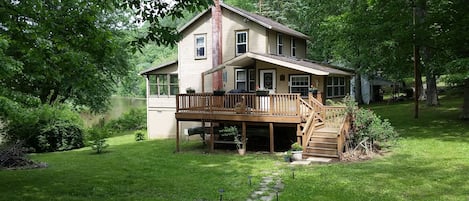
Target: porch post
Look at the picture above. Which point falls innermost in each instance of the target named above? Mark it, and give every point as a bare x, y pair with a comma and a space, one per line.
299, 135
271, 133
243, 133
177, 136
212, 137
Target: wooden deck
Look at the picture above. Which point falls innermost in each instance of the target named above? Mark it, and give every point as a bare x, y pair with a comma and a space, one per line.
320, 129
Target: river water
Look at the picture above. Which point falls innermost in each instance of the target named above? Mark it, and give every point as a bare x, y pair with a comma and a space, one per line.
119, 106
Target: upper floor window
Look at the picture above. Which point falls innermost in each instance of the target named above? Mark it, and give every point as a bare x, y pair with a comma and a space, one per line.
293, 47
241, 42
245, 79
279, 44
335, 87
299, 84
200, 46
164, 84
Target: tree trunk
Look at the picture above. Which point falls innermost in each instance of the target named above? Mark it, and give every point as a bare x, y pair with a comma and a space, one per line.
358, 88
465, 107
432, 91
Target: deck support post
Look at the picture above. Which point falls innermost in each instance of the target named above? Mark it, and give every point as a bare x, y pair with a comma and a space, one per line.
271, 133
299, 135
243, 133
177, 136
212, 137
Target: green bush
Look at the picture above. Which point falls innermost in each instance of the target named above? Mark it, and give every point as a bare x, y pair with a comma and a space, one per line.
96, 137
135, 119
45, 128
368, 130
139, 135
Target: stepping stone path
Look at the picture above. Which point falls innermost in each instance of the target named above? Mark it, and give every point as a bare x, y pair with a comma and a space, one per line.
268, 188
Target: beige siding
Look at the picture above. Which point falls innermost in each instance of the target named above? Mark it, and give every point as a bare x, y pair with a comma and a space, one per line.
191, 69
233, 22
282, 86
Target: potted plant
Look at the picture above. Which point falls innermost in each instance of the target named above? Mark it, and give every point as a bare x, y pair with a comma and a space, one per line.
313, 90
287, 156
261, 92
190, 90
218, 92
237, 138
297, 151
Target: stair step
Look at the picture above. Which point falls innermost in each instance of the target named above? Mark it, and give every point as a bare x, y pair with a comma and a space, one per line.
320, 150
320, 155
319, 139
323, 144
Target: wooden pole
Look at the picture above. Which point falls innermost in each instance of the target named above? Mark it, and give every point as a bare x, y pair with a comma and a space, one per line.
243, 133
271, 133
212, 137
177, 136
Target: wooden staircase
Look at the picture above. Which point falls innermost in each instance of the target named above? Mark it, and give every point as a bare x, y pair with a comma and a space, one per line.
324, 131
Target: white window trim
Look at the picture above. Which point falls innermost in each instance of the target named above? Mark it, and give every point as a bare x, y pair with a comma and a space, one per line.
244, 43
290, 83
293, 47
335, 87
279, 45
196, 36
248, 78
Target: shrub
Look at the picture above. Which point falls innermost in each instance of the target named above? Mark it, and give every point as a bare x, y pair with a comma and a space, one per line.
139, 135
135, 119
46, 128
368, 131
96, 137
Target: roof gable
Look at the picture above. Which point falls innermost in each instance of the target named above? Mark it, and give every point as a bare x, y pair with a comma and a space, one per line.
258, 19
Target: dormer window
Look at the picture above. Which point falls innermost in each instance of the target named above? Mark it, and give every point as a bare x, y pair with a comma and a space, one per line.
293, 47
241, 42
279, 44
200, 46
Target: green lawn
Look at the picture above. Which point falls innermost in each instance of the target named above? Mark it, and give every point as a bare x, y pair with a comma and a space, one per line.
431, 162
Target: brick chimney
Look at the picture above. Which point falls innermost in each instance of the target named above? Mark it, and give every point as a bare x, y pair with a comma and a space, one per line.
217, 82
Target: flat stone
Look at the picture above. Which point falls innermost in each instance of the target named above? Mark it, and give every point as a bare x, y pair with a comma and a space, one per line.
300, 162
319, 160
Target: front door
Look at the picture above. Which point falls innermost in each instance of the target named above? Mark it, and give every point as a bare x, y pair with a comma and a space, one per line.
267, 80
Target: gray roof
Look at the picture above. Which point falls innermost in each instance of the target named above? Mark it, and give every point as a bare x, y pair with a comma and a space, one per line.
310, 64
261, 20
148, 71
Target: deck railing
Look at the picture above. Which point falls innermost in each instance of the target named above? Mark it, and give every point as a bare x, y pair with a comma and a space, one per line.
285, 104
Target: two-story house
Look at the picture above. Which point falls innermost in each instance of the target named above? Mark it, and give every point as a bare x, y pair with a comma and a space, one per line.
231, 49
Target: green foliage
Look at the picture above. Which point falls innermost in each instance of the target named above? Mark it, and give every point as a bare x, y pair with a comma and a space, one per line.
46, 128
139, 135
62, 51
296, 147
96, 137
232, 131
368, 130
135, 119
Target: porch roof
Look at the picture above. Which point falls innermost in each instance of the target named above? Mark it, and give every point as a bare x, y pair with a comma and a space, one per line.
287, 62
150, 70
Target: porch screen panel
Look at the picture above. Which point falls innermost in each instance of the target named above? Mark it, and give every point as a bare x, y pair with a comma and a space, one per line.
173, 84
162, 83
153, 85
299, 84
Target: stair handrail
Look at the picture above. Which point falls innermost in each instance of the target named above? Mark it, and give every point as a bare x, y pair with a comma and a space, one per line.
343, 133
307, 105
309, 127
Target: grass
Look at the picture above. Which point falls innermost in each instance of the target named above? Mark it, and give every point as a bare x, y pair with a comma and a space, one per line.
431, 162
